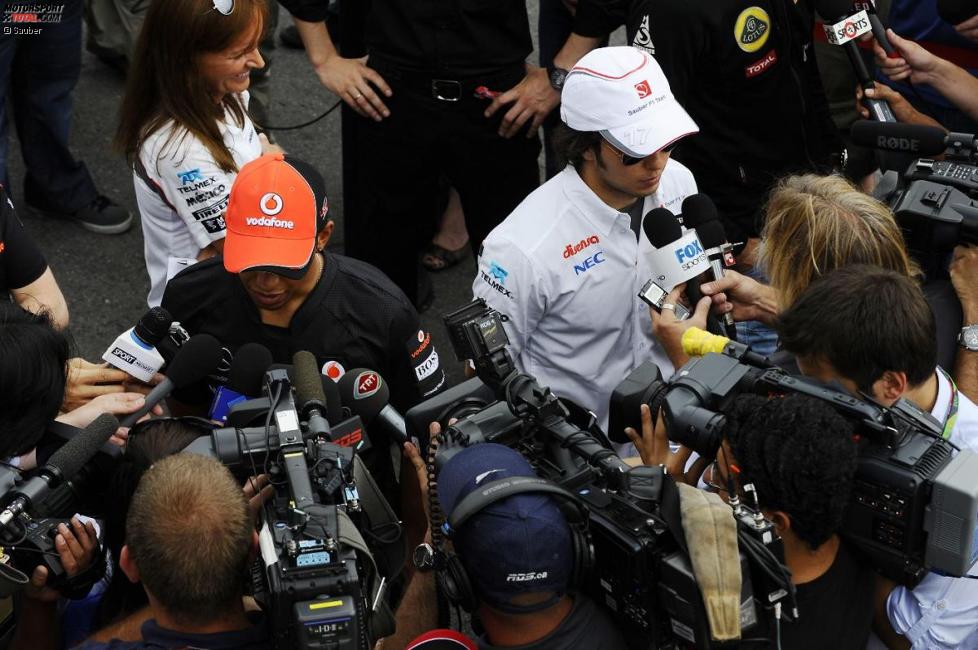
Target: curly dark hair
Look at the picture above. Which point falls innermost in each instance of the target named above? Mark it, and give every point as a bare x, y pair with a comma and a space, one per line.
800, 455
570, 146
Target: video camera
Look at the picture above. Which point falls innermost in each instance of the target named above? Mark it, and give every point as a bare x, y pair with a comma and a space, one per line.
316, 577
933, 200
642, 569
914, 504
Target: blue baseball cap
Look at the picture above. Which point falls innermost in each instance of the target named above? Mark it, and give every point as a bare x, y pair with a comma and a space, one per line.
519, 545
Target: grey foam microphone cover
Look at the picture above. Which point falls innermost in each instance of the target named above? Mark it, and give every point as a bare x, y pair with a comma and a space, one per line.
73, 455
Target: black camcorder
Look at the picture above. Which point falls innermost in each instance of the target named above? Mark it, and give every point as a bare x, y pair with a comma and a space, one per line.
642, 569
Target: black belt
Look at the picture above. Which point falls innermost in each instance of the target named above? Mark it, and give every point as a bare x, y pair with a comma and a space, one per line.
449, 88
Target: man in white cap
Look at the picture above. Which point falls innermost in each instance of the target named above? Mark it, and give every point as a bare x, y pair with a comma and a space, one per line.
565, 266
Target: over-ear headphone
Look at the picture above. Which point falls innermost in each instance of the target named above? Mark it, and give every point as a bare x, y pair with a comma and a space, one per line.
453, 578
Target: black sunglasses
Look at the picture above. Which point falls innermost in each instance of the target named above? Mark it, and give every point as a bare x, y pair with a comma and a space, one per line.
628, 161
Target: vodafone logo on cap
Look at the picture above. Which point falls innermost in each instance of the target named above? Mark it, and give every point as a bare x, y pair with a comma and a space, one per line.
366, 384
643, 89
270, 204
334, 370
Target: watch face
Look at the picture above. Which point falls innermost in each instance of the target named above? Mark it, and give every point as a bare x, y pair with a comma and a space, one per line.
557, 78
969, 337
424, 557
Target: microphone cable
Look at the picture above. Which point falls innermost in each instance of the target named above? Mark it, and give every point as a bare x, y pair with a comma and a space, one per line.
304, 124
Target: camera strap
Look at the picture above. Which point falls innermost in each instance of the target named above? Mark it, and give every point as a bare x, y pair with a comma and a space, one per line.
951, 416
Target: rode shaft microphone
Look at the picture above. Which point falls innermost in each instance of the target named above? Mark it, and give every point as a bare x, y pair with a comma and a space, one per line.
700, 213
844, 28
134, 351
244, 379
310, 398
915, 139
661, 228
196, 359
365, 393
61, 467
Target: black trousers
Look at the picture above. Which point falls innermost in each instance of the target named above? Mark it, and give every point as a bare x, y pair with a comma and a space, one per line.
394, 209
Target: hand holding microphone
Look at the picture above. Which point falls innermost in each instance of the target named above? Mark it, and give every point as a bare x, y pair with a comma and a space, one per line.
668, 329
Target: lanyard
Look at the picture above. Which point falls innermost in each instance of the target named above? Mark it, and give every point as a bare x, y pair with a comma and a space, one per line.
951, 416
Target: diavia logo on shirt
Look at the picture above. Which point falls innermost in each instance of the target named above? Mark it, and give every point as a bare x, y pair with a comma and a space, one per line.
752, 29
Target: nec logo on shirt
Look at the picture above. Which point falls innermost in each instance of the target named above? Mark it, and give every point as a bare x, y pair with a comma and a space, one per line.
589, 262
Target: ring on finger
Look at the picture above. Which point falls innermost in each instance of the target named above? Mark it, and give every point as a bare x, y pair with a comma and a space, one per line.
669, 306
358, 96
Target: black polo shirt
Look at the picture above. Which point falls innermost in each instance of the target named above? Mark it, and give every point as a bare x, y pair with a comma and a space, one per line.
21, 261
355, 317
458, 39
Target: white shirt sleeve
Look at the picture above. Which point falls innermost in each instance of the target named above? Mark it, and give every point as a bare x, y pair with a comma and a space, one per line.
193, 184
509, 283
939, 613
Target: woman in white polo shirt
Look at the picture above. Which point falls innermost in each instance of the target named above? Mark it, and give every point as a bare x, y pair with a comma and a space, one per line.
184, 125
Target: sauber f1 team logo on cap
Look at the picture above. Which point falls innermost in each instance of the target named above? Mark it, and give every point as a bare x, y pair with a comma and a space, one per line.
366, 384
643, 89
270, 204
334, 370
752, 29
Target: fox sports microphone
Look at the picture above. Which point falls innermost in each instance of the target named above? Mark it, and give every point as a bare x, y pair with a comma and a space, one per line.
61, 467
244, 379
365, 393
196, 359
661, 229
842, 28
134, 351
700, 213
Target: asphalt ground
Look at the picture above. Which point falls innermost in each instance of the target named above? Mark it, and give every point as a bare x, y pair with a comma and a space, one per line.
104, 277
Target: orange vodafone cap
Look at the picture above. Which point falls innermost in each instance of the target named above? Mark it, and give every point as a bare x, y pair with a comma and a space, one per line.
277, 205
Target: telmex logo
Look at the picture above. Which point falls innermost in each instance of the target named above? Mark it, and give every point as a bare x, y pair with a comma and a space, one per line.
367, 384
588, 263
269, 223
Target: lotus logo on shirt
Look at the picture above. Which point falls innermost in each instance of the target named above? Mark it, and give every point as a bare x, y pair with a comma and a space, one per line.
589, 263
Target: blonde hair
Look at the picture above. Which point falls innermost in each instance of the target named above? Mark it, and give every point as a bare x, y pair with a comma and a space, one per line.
815, 224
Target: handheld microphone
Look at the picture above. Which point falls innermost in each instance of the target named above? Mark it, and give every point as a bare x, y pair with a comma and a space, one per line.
196, 359
134, 351
365, 393
697, 342
63, 465
310, 397
845, 27
700, 213
244, 379
661, 229
956, 11
879, 30
916, 139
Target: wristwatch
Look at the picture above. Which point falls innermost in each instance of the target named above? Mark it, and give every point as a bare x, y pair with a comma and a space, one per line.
427, 558
968, 337
557, 77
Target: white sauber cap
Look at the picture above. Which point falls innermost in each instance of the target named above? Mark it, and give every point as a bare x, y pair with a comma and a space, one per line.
622, 93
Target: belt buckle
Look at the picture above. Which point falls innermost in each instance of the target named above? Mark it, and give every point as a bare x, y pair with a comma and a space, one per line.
452, 90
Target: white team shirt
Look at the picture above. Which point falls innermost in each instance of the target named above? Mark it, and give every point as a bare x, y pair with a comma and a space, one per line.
196, 190
941, 612
564, 269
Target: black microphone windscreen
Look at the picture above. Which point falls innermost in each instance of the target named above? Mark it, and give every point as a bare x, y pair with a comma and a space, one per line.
248, 369
956, 11
661, 227
196, 359
364, 392
915, 139
334, 403
154, 325
73, 455
833, 10
697, 209
711, 234
306, 379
